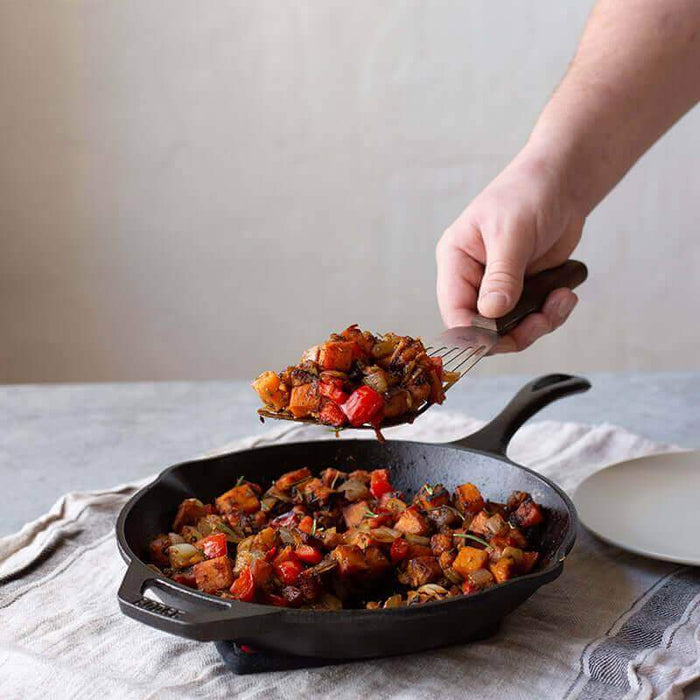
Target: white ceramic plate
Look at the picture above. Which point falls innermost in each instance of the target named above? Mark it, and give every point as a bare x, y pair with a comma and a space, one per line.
649, 506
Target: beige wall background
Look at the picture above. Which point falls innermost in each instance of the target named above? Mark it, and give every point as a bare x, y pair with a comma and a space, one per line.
196, 190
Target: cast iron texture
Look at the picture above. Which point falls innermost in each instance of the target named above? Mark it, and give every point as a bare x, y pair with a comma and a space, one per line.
349, 634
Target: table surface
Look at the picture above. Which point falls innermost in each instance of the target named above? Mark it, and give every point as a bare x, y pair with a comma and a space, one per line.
59, 438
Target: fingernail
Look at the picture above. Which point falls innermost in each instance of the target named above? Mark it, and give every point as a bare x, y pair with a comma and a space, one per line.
566, 306
496, 301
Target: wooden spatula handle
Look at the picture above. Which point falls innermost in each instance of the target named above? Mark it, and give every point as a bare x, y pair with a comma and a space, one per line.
535, 292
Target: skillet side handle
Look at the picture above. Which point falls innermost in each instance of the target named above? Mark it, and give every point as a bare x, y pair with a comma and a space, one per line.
534, 396
187, 613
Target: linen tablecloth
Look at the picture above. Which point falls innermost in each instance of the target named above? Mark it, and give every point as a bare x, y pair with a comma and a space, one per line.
613, 625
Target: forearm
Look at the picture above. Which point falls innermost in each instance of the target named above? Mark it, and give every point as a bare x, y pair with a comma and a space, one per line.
636, 72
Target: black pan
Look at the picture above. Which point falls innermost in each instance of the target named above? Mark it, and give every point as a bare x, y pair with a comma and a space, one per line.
349, 634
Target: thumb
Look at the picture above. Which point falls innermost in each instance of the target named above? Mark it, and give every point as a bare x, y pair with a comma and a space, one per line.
502, 283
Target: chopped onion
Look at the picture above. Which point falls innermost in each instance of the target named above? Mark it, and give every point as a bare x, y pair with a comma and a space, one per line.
417, 539
452, 575
353, 489
513, 553
176, 539
383, 348
377, 380
184, 555
495, 524
385, 535
396, 601
432, 590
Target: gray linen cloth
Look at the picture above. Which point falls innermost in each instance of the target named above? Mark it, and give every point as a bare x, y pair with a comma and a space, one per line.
613, 625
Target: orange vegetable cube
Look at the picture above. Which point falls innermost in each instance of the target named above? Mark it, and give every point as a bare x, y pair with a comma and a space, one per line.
503, 569
469, 499
305, 400
351, 560
337, 355
271, 391
470, 559
238, 498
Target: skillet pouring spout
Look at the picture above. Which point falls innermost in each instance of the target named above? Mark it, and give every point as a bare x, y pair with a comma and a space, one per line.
151, 598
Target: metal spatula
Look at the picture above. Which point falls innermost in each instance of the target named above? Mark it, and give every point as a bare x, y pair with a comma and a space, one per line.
462, 347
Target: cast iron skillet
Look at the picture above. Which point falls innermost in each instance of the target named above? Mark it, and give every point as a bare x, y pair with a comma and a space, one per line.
349, 634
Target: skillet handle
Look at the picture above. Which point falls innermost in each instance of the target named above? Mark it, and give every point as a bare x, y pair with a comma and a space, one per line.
186, 612
534, 396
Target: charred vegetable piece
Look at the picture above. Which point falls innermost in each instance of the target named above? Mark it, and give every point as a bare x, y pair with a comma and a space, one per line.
241, 498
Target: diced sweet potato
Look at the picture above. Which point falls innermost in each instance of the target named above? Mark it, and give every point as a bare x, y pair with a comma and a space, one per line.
354, 513
241, 498
423, 570
271, 390
189, 512
528, 514
304, 400
470, 559
412, 522
503, 569
430, 497
286, 481
214, 575
337, 355
509, 537
351, 560
469, 499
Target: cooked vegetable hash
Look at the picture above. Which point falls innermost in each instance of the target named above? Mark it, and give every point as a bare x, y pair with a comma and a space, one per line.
356, 378
348, 540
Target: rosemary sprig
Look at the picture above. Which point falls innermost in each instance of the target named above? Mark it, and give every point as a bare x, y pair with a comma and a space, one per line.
240, 480
430, 490
456, 512
313, 528
469, 536
222, 527
370, 514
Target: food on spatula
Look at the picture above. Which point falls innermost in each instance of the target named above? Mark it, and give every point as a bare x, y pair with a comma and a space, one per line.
356, 378
348, 540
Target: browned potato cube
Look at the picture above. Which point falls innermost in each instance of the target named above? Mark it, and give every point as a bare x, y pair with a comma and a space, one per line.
213, 575
503, 569
158, 550
351, 560
286, 481
354, 513
189, 512
423, 570
412, 522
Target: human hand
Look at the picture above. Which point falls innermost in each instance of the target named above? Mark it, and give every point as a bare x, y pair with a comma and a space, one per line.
523, 222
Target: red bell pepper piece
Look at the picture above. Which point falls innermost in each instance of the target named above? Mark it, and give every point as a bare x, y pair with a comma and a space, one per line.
243, 587
186, 578
332, 414
365, 405
379, 483
399, 550
288, 571
333, 391
308, 554
213, 546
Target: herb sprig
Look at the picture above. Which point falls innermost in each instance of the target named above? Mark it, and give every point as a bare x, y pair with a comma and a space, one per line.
469, 536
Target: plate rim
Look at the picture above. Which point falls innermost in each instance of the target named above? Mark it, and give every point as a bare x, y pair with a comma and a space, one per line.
648, 553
